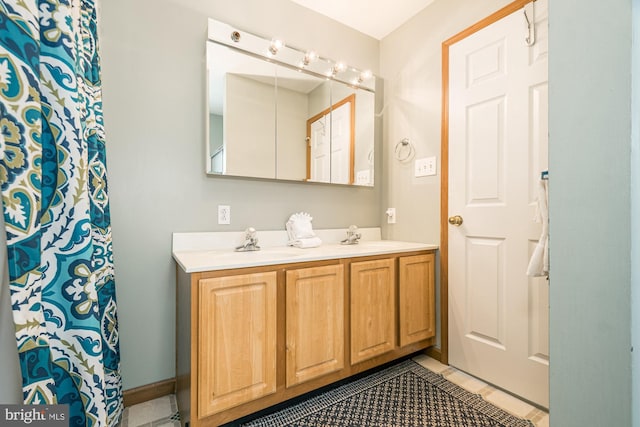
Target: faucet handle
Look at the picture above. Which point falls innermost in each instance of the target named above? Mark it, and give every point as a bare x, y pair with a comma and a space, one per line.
352, 234
250, 241
250, 233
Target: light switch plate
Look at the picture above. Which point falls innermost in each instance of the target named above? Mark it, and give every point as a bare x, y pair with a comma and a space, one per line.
425, 166
363, 177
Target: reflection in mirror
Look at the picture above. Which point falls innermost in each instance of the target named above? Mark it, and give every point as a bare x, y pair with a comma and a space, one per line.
280, 113
299, 94
252, 83
350, 144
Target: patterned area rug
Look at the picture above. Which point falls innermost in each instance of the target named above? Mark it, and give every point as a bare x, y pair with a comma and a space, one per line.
404, 395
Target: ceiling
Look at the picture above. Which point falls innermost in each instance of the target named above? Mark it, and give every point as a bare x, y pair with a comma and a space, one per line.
376, 18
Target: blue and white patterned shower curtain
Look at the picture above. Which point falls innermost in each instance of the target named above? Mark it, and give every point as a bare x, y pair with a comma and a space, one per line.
56, 208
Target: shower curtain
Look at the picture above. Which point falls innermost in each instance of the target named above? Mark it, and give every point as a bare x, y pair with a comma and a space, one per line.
56, 208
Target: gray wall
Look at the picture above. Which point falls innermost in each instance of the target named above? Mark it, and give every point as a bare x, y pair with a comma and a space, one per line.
411, 64
589, 201
635, 213
153, 64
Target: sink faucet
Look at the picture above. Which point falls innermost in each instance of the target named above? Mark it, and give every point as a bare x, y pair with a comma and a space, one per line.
352, 236
250, 241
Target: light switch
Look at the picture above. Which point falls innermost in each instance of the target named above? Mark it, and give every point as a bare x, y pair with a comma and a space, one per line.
363, 177
425, 166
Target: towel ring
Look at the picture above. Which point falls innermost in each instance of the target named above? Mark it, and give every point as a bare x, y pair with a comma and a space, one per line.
404, 150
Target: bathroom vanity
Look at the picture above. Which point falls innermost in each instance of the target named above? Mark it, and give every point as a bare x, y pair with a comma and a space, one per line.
257, 328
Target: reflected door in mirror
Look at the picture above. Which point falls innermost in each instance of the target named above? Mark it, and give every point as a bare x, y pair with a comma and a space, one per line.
342, 140
318, 168
299, 95
330, 143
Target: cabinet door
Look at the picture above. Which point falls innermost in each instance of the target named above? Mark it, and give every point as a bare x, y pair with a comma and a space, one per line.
236, 340
315, 322
373, 325
417, 298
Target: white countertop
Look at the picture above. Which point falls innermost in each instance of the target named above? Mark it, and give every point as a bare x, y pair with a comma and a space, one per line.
196, 257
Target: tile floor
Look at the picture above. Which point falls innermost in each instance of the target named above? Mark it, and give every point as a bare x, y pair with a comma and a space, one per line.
164, 411
503, 400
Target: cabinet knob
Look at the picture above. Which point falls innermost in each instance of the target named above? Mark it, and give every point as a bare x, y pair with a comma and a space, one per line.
455, 220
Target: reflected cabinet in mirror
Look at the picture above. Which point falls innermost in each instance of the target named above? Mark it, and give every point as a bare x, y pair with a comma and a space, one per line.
277, 112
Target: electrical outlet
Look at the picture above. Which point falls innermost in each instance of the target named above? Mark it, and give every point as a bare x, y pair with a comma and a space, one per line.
224, 214
391, 215
425, 166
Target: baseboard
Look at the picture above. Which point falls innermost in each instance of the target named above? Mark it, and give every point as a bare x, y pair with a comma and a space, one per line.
434, 352
163, 388
149, 392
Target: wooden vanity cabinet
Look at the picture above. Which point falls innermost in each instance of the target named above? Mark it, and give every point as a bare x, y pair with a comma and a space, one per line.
314, 322
373, 308
416, 298
250, 338
237, 340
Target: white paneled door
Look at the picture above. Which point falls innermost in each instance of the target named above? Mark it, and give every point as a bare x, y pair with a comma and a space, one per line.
341, 143
320, 150
331, 144
498, 316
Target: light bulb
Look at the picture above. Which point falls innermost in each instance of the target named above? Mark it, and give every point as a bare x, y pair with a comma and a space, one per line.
365, 75
339, 68
276, 45
309, 57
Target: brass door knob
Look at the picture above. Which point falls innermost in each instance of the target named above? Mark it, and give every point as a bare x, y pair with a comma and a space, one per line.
455, 220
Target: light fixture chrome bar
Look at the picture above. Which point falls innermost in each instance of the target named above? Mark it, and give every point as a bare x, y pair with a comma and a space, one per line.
276, 51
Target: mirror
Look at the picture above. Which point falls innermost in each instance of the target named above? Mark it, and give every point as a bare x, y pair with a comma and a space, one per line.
252, 83
267, 118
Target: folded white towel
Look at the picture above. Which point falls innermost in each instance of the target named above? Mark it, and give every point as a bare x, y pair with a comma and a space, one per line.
300, 231
539, 262
302, 228
310, 242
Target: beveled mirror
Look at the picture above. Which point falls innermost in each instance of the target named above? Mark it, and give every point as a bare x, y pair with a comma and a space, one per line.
277, 112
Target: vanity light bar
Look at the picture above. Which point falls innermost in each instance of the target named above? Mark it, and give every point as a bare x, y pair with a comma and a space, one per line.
276, 50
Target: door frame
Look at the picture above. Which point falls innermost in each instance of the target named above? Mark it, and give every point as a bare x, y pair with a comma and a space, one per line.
444, 165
